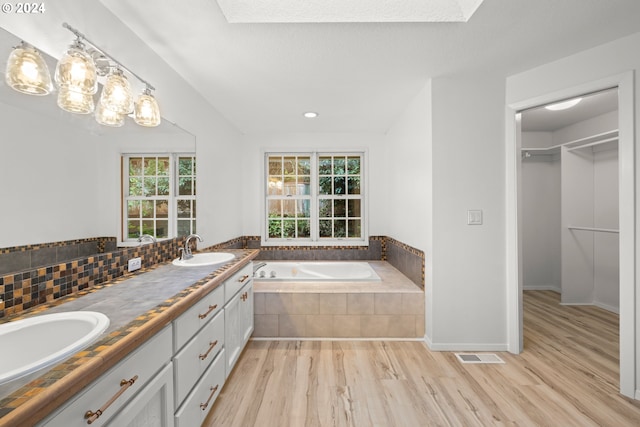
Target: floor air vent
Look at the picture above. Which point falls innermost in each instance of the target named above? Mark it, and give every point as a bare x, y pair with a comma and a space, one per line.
479, 358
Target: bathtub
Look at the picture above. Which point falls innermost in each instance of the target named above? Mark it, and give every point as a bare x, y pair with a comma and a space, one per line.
315, 271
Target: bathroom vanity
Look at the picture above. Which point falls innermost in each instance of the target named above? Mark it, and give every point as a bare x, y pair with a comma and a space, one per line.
165, 368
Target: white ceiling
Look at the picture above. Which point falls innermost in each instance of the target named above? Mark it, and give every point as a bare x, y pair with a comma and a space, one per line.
313, 11
358, 77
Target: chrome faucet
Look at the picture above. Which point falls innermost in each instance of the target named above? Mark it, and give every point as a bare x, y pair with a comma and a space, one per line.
185, 253
144, 237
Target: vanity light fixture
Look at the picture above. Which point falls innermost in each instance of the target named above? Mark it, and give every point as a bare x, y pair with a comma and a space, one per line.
310, 114
76, 77
27, 72
563, 105
146, 111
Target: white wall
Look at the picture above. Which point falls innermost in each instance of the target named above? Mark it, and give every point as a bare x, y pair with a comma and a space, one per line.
597, 68
541, 214
410, 215
468, 304
249, 171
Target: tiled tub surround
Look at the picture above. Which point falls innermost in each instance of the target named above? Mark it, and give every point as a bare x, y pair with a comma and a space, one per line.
408, 260
391, 308
138, 306
29, 288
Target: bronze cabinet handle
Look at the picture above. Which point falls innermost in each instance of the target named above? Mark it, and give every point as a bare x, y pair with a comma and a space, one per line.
212, 344
91, 416
243, 278
204, 405
211, 308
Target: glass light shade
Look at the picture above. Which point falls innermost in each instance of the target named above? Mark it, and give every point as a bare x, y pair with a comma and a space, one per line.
76, 71
116, 94
146, 111
75, 102
27, 72
107, 117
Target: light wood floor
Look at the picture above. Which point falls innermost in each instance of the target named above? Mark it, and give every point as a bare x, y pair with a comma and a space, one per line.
566, 376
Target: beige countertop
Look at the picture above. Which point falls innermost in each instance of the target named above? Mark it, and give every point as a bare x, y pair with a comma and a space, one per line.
138, 307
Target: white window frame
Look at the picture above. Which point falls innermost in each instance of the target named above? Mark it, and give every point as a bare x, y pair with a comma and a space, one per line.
173, 196
315, 240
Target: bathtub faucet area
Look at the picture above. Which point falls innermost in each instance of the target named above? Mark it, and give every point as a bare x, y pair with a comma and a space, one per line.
185, 253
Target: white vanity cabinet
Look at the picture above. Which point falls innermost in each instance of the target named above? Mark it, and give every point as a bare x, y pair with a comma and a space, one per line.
238, 314
138, 385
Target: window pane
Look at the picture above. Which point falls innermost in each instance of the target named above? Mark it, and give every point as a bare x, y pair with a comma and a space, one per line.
185, 166
354, 228
275, 166
290, 185
135, 186
162, 228
163, 166
354, 184
149, 186
133, 208
304, 208
338, 183
325, 227
304, 185
148, 227
133, 229
163, 186
288, 208
135, 166
289, 165
184, 227
325, 208
339, 208
184, 186
304, 229
289, 228
325, 185
275, 185
184, 208
147, 209
338, 165
353, 165
304, 166
275, 208
193, 209
339, 228
324, 166
275, 228
150, 167
354, 208
162, 209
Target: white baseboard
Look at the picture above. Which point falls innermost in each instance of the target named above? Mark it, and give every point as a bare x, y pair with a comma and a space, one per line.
543, 288
467, 347
637, 395
332, 339
607, 307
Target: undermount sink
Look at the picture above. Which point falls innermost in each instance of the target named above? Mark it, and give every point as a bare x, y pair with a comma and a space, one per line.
35, 343
206, 258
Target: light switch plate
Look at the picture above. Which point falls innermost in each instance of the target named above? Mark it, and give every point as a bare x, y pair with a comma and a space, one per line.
134, 264
474, 217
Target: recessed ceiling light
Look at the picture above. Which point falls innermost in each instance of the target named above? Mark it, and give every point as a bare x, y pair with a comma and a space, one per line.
563, 105
310, 114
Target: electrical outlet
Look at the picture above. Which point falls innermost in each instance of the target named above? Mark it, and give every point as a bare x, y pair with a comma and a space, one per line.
134, 264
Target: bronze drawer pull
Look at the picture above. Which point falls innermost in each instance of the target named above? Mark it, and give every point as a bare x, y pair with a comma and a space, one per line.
91, 416
211, 308
244, 296
243, 278
205, 404
212, 344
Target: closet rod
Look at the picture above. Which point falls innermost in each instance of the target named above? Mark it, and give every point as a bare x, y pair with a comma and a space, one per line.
602, 141
603, 230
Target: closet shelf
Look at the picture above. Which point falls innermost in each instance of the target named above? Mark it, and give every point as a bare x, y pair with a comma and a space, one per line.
589, 141
602, 230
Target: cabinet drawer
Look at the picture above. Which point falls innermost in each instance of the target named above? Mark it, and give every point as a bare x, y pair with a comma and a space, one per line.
144, 362
237, 281
197, 355
196, 317
200, 401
